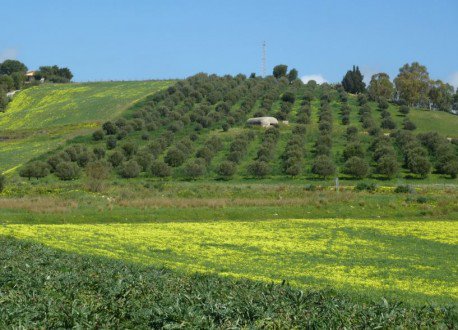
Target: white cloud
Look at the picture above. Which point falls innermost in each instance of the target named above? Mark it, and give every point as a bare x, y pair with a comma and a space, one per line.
8, 54
317, 77
453, 79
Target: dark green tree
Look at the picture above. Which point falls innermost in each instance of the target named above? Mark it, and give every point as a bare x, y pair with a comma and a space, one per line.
292, 75
353, 81
323, 166
280, 71
10, 66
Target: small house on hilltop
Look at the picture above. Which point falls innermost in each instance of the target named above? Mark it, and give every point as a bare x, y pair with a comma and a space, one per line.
262, 121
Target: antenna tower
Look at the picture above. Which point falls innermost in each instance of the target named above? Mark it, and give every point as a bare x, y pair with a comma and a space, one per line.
263, 68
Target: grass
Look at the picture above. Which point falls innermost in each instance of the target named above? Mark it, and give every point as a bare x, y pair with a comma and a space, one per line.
48, 288
41, 118
378, 258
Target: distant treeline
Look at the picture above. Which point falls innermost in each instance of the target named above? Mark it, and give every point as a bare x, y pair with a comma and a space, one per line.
13, 76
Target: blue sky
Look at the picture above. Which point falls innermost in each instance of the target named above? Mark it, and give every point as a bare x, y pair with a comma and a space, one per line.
140, 39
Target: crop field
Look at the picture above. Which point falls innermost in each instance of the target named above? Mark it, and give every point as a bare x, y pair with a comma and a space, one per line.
378, 258
41, 118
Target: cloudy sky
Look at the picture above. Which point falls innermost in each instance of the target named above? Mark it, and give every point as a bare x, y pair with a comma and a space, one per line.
141, 39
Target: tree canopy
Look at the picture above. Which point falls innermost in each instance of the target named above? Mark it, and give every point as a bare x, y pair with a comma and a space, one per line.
353, 81
11, 66
380, 87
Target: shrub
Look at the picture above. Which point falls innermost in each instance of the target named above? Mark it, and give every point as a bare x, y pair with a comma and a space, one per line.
144, 159
362, 99
259, 169
371, 186
111, 142
353, 150
2, 182
98, 135
356, 167
98, 152
422, 200
404, 109
419, 164
97, 172
160, 169
451, 168
130, 169
323, 166
388, 165
226, 169
37, 169
383, 104
404, 189
408, 125
194, 169
288, 97
67, 171
174, 157
109, 128
226, 127
116, 158
129, 149
388, 123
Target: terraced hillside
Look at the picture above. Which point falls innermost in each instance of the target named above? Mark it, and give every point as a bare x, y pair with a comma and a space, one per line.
196, 129
43, 117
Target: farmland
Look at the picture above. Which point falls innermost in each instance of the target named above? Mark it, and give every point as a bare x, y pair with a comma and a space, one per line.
378, 243
41, 118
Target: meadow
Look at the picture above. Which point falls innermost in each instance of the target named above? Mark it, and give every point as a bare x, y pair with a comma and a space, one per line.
42, 118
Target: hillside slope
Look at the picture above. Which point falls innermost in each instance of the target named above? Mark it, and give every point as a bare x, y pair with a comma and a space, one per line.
43, 117
196, 130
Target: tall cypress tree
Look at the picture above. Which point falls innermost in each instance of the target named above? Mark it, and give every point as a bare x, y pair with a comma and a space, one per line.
353, 81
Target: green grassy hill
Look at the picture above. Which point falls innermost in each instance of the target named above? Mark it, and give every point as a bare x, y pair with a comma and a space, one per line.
187, 120
41, 118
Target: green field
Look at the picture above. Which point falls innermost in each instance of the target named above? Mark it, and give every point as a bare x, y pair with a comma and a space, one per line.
41, 118
364, 258
377, 258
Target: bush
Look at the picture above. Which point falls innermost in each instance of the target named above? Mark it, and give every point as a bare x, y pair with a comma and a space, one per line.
97, 172
259, 169
419, 164
109, 128
111, 142
388, 123
404, 189
408, 125
160, 169
451, 168
37, 169
98, 152
174, 157
353, 150
2, 182
130, 169
404, 109
356, 167
226, 169
388, 165
98, 135
366, 186
383, 104
226, 127
194, 169
116, 158
67, 171
323, 166
129, 149
288, 97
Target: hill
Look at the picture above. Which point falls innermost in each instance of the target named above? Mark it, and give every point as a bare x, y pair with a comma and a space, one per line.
42, 117
196, 129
